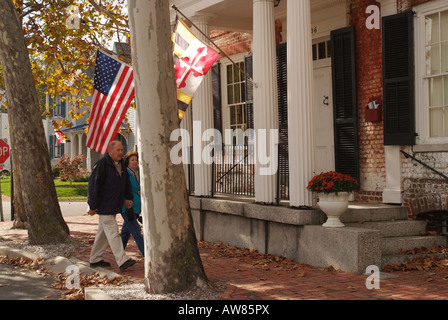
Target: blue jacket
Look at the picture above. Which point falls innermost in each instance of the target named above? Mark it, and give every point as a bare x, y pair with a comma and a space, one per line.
107, 190
135, 187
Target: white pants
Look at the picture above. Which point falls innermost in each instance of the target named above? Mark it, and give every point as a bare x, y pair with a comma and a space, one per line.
106, 235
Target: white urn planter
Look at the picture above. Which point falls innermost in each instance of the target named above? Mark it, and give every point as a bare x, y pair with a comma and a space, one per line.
334, 206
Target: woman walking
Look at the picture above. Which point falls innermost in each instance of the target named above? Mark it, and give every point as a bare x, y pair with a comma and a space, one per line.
131, 216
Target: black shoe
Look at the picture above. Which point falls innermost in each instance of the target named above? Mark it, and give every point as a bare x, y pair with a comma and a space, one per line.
101, 263
127, 264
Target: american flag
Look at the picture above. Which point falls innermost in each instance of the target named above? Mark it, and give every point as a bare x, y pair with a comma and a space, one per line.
113, 91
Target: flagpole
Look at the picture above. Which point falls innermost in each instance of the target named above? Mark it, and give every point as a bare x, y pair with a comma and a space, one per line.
212, 42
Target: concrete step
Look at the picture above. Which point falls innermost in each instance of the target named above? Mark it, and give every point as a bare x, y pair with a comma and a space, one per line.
393, 245
393, 228
362, 212
393, 259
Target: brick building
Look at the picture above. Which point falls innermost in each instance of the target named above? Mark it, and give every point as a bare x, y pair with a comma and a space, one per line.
317, 66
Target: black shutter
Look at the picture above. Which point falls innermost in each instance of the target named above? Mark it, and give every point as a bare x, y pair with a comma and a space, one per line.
398, 79
51, 146
248, 66
63, 108
43, 106
282, 81
283, 150
51, 106
217, 105
345, 101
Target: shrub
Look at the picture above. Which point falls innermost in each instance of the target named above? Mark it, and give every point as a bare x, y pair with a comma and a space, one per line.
71, 169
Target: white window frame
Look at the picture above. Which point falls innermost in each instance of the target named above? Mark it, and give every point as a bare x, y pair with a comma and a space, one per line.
422, 81
225, 103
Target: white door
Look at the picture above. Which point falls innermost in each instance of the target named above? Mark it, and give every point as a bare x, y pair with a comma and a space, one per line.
324, 159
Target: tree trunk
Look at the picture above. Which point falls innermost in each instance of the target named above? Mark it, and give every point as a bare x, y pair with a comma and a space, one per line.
28, 143
20, 219
172, 260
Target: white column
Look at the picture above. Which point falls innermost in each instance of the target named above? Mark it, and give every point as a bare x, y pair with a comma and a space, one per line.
265, 98
203, 115
79, 135
300, 101
89, 159
392, 194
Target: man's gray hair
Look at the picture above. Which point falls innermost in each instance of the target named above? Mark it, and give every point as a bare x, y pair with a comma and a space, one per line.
112, 144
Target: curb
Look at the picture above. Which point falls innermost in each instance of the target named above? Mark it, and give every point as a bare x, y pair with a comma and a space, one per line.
60, 264
91, 293
12, 253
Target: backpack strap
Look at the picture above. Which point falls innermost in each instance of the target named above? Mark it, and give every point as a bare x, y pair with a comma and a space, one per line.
100, 168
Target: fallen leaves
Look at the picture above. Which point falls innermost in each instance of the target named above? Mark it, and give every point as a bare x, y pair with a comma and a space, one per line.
93, 280
428, 233
262, 261
23, 262
425, 260
265, 262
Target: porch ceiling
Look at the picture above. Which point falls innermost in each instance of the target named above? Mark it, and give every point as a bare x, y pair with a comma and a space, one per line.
235, 15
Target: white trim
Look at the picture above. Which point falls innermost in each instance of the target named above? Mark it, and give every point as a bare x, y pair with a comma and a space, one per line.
421, 81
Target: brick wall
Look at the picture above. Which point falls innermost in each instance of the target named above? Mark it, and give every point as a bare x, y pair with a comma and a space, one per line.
232, 42
422, 187
237, 42
406, 5
371, 139
369, 85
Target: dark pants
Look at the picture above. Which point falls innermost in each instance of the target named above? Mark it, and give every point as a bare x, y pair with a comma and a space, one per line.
132, 227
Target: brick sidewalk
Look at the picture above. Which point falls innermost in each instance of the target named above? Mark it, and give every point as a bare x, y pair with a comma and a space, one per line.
250, 276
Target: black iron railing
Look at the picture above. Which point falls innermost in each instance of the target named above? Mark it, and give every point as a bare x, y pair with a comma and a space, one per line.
435, 218
407, 155
234, 170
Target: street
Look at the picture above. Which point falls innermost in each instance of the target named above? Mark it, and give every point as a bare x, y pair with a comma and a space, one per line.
22, 284
18, 284
68, 208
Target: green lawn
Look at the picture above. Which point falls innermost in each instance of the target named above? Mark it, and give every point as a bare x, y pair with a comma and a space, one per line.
78, 190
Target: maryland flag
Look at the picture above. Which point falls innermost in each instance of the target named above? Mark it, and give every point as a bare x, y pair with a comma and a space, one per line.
192, 60
62, 138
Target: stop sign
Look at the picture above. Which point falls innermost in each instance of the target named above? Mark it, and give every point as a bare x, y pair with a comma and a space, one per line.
4, 151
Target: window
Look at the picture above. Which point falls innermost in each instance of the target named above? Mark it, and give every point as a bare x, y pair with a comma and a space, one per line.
236, 96
431, 34
58, 106
321, 50
436, 74
57, 148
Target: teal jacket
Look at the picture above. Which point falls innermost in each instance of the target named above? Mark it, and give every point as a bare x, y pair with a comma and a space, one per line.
135, 187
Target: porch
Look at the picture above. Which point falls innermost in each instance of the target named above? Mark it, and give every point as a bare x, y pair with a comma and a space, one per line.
375, 234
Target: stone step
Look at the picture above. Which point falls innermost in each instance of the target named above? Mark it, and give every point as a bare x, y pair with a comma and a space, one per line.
393, 228
393, 245
394, 259
362, 212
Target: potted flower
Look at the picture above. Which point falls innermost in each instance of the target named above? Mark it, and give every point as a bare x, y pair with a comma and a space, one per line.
334, 189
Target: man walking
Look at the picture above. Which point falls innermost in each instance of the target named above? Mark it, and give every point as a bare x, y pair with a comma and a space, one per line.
109, 189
